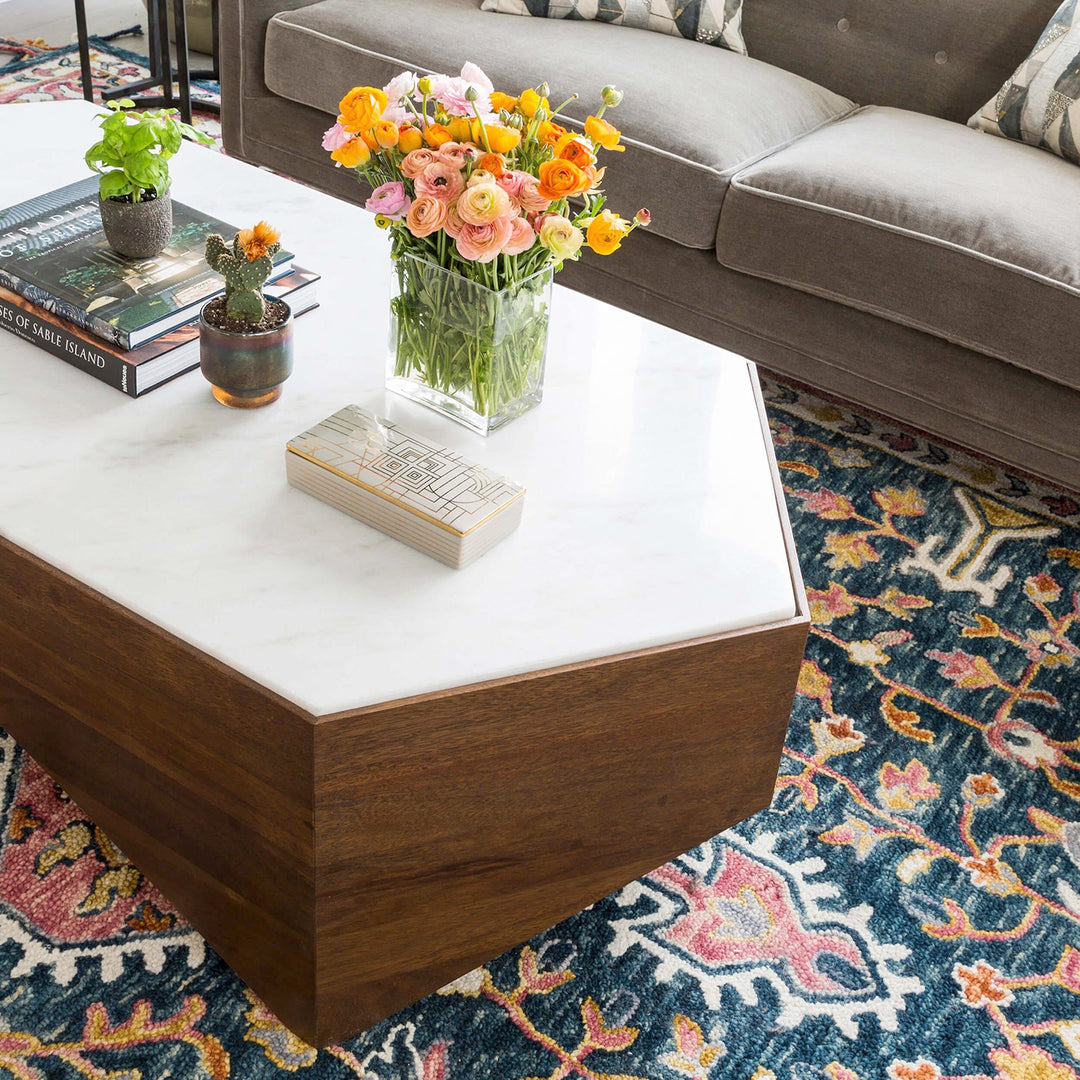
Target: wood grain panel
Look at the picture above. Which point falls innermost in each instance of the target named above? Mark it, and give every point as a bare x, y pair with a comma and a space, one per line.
200, 776
453, 826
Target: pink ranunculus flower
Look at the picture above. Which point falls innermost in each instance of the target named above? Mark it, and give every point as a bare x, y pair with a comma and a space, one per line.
455, 154
450, 92
454, 224
440, 181
336, 137
426, 215
522, 237
397, 91
529, 197
416, 161
511, 181
483, 243
482, 203
390, 200
536, 218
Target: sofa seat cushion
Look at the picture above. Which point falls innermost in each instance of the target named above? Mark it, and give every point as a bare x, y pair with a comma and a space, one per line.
925, 222
692, 115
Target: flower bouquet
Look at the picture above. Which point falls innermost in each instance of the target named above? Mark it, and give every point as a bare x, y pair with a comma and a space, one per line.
475, 187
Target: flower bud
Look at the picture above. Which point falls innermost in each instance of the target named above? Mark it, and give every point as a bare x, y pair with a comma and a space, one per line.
471, 93
610, 96
424, 85
514, 120
543, 90
541, 115
642, 217
382, 221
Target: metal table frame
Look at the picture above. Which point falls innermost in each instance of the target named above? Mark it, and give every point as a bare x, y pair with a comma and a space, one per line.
162, 73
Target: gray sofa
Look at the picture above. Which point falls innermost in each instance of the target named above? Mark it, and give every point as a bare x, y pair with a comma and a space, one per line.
819, 207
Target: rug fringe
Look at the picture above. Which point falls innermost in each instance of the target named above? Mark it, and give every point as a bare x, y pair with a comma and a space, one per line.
131, 31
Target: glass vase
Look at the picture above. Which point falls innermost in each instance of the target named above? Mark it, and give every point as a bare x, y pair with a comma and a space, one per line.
473, 353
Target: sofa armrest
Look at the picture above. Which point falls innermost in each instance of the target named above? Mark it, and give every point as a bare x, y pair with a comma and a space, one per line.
242, 46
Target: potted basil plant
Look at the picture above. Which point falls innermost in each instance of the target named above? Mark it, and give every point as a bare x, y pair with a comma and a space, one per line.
132, 157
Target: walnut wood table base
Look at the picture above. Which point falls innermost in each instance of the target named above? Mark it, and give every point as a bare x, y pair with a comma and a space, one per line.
347, 865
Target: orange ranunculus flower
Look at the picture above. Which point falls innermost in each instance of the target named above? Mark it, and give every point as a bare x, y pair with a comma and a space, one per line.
605, 232
360, 108
560, 179
386, 133
530, 101
501, 139
254, 242
549, 133
595, 175
503, 101
491, 163
409, 138
571, 148
369, 139
436, 134
600, 131
352, 154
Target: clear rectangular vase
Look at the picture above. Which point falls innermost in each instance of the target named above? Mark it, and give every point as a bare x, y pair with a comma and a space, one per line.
470, 352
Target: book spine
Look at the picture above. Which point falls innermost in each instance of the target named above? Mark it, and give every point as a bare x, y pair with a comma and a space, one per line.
36, 295
45, 335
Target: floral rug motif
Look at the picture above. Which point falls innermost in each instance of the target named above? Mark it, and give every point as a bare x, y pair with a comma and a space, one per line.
908, 908
47, 73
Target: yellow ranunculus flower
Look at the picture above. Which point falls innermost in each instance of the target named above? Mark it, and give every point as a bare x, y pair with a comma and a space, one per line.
386, 133
352, 154
605, 232
361, 107
530, 101
462, 129
501, 139
503, 101
409, 139
600, 131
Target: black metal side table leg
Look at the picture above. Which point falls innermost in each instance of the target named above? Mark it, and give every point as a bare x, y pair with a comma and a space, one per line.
183, 70
84, 50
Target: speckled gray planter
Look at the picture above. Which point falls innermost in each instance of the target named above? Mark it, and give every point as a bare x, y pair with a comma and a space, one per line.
246, 370
138, 230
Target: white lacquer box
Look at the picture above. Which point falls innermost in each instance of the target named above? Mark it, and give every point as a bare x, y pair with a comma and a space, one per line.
416, 491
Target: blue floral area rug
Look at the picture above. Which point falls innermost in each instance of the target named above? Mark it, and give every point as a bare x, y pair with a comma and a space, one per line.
908, 908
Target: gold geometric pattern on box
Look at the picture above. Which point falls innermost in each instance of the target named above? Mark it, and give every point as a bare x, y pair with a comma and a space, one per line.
412, 472
1040, 103
714, 22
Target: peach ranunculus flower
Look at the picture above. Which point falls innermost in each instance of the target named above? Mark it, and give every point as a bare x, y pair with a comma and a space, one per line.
530, 196
454, 223
492, 164
441, 181
456, 154
483, 243
352, 155
480, 176
606, 232
426, 215
560, 236
600, 131
560, 179
416, 161
360, 108
483, 203
521, 239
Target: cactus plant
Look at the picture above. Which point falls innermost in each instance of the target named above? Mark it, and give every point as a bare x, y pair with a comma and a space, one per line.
246, 265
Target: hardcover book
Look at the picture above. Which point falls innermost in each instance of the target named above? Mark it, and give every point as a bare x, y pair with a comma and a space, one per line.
53, 253
149, 365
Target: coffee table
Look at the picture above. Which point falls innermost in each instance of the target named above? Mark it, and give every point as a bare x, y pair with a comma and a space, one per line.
357, 772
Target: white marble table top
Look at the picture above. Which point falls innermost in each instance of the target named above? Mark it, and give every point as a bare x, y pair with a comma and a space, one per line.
650, 514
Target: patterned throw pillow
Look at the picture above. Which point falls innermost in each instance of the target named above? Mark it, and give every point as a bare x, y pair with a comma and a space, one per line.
1040, 104
716, 22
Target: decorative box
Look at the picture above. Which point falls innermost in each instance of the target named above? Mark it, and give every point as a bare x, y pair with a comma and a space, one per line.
410, 488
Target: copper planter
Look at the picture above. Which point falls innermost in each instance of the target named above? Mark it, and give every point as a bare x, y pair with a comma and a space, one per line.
246, 370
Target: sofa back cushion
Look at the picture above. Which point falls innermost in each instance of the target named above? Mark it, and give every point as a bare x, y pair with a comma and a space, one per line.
943, 57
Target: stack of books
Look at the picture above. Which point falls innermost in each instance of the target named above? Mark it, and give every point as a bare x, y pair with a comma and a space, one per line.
132, 323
